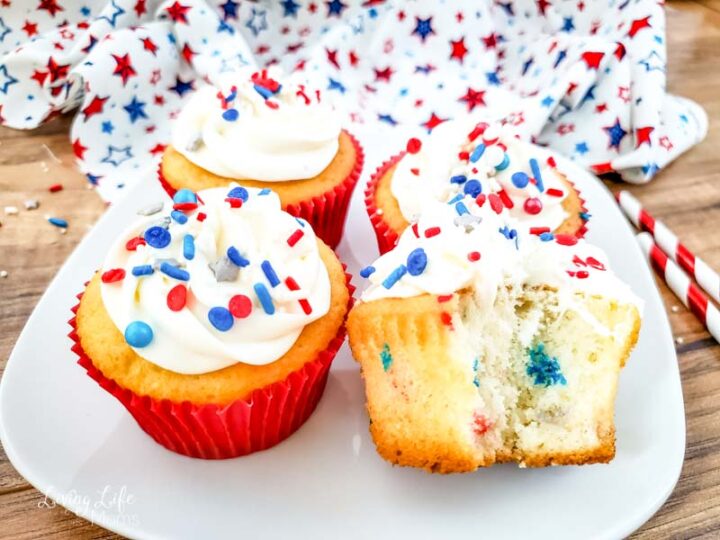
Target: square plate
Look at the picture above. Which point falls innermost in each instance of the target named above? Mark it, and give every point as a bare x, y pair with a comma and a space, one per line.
78, 445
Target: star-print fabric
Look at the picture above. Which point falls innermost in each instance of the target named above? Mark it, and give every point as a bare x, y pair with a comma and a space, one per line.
585, 77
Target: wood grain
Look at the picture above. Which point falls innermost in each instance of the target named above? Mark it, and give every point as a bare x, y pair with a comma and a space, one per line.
686, 196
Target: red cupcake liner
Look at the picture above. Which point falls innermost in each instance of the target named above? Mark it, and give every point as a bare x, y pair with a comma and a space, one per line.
326, 213
387, 237
261, 420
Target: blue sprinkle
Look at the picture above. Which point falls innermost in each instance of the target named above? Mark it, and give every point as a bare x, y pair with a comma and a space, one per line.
58, 222
300, 221
239, 192
138, 334
367, 271
473, 188
394, 276
265, 298
544, 369
456, 198
504, 164
238, 260
520, 179
184, 195
178, 216
270, 274
458, 179
535, 168
508, 233
461, 209
189, 247
157, 237
547, 237
477, 153
264, 92
174, 272
264, 191
143, 270
476, 366
385, 357
585, 216
230, 115
221, 318
417, 261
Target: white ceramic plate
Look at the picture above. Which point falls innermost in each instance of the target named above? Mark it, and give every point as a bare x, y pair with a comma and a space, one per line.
77, 444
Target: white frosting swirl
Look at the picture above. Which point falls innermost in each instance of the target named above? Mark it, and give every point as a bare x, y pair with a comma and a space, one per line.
291, 135
185, 341
423, 178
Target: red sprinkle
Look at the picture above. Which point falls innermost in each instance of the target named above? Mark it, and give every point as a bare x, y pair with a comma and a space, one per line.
133, 243
507, 201
177, 298
533, 206
185, 207
55, 188
582, 274
415, 171
292, 284
201, 216
592, 261
464, 156
481, 424
551, 162
295, 237
305, 305
240, 306
113, 275
413, 145
495, 203
474, 256
414, 228
234, 202
539, 230
446, 318
480, 199
477, 131
271, 104
553, 192
432, 231
444, 298
565, 239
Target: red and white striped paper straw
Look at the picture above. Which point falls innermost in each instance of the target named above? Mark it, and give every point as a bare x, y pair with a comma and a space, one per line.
706, 277
680, 284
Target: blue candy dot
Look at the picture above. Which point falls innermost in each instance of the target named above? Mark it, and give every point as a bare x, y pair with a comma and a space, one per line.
458, 179
520, 179
184, 195
473, 188
138, 334
178, 216
221, 318
231, 115
157, 237
239, 192
416, 262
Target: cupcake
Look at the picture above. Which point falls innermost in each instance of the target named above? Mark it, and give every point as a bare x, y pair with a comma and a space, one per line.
263, 131
465, 157
214, 321
480, 344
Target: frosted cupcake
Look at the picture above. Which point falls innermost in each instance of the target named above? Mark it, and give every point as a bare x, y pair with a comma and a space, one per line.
482, 344
265, 131
466, 158
214, 320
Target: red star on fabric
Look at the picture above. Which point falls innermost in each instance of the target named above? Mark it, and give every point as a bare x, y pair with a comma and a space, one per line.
57, 71
433, 122
158, 149
473, 98
332, 57
619, 51
571, 87
140, 8
542, 6
312, 8
30, 28
123, 67
188, 53
459, 50
665, 142
383, 74
94, 107
353, 58
564, 129
401, 15
294, 47
601, 108
639, 24
459, 16
592, 59
159, 100
624, 93
39, 77
178, 12
643, 136
51, 6
490, 41
155, 77
149, 45
78, 149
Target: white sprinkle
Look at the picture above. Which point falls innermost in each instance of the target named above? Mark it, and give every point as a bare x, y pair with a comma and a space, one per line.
11, 210
3, 274
32, 204
63, 231
679, 340
675, 309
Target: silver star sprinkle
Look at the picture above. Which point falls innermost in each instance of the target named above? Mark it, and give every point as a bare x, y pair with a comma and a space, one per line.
32, 204
224, 269
195, 144
468, 221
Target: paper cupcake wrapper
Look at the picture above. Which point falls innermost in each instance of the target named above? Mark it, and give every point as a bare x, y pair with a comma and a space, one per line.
387, 237
326, 213
261, 420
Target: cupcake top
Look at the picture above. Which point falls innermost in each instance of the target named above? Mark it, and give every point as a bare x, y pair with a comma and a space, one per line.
260, 126
213, 279
460, 245
464, 157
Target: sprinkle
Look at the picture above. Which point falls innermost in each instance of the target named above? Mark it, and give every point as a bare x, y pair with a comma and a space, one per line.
565, 239
679, 340
505, 198
178, 216
461, 209
535, 168
224, 269
446, 319
264, 191
151, 209
239, 192
264, 92
143, 270
185, 195
174, 272
291, 284
477, 153
539, 230
414, 228
394, 276
32, 204
305, 306
474, 256
133, 243
58, 222
240, 306
533, 206
367, 272
520, 179
495, 203
481, 425
458, 179
237, 259
265, 298
295, 237
444, 298
416, 262
3, 274
157, 237
138, 334
554, 192
476, 366
413, 145
220, 318
55, 188
11, 210
675, 309
456, 198
504, 164
234, 203
584, 216
188, 247
543, 368
270, 274
415, 171
113, 275
230, 115
432, 231
582, 274
201, 216
195, 143
463, 156
177, 298
477, 131
551, 162
547, 236
473, 188
385, 357
480, 199
467, 221
300, 221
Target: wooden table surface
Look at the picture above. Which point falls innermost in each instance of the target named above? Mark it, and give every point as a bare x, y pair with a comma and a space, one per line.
686, 196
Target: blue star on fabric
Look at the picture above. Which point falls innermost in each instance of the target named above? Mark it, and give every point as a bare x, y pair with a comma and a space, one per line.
358, 26
653, 62
112, 19
616, 134
232, 63
107, 127
508, 8
423, 28
93, 178
492, 78
257, 21
8, 79
568, 24
582, 148
229, 9
589, 95
547, 101
423, 69
290, 8
335, 8
116, 156
225, 27
527, 65
335, 85
560, 57
85, 11
135, 110
181, 86
4, 30
388, 119
650, 169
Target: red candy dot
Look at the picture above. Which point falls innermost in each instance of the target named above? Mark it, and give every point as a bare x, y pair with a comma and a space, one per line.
533, 206
565, 239
480, 199
234, 202
414, 145
133, 243
432, 231
201, 216
240, 306
177, 298
113, 275
495, 203
582, 274
464, 156
446, 318
474, 256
